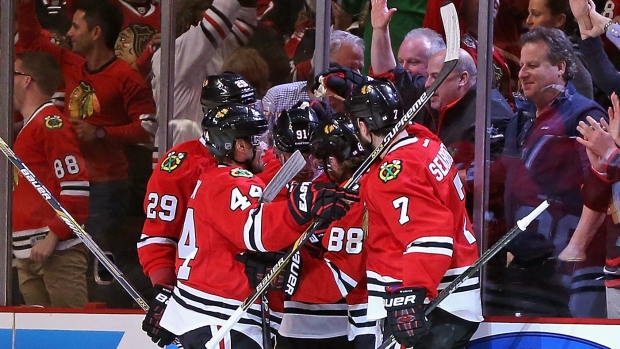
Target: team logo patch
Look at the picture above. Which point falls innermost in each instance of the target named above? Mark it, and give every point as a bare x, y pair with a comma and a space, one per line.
221, 113
172, 161
83, 101
469, 41
239, 172
329, 129
366, 89
53, 122
390, 170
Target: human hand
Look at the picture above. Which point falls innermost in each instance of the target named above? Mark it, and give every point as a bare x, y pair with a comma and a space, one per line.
597, 21
599, 143
41, 251
380, 15
581, 11
572, 254
84, 130
614, 118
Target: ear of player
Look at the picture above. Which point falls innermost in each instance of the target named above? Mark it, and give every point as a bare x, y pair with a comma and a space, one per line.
319, 201
150, 324
405, 314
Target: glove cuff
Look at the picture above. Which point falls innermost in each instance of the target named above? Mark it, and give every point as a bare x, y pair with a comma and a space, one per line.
401, 297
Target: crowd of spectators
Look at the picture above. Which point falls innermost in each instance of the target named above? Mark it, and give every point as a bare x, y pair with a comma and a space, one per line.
549, 74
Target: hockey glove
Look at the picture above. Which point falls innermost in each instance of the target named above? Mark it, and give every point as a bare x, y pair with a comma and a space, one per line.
332, 202
405, 314
150, 325
314, 245
259, 264
322, 110
325, 201
336, 81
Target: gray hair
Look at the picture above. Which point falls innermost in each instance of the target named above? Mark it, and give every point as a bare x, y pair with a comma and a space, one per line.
559, 47
466, 64
436, 41
339, 37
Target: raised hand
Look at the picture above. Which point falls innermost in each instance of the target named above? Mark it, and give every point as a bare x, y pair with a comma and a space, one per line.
380, 15
594, 24
581, 11
614, 118
598, 142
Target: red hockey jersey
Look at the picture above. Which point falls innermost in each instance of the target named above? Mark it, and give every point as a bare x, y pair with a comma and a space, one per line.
224, 218
115, 97
419, 233
47, 144
165, 204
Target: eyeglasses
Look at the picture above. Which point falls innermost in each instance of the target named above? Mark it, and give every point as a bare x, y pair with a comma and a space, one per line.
15, 72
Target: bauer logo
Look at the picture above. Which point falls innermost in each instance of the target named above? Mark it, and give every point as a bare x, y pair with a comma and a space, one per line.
527, 340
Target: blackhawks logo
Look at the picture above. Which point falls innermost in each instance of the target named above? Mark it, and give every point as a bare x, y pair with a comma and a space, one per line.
366, 89
172, 161
132, 41
221, 113
239, 172
329, 129
83, 101
390, 170
53, 122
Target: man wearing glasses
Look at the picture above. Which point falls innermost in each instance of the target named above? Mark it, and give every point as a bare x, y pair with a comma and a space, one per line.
51, 260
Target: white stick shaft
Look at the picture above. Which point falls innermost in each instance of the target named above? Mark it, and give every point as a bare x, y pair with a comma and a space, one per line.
219, 335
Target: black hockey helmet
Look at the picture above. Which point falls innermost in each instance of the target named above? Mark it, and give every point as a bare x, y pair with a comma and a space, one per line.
230, 121
226, 87
293, 128
335, 138
377, 102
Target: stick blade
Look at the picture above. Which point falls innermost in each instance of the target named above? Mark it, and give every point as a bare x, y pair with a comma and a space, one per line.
453, 31
289, 170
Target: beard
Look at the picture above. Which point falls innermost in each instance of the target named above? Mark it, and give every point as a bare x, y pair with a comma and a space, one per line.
367, 145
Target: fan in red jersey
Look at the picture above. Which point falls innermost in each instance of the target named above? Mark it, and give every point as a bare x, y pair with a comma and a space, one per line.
51, 260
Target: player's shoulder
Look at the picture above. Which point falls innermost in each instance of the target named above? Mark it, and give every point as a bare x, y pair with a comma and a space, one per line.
185, 159
50, 119
223, 175
405, 159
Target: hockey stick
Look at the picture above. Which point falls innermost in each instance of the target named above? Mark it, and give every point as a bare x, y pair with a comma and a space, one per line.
71, 223
473, 269
295, 163
451, 26
285, 174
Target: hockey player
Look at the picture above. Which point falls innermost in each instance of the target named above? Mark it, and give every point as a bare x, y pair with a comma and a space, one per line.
410, 257
168, 192
332, 264
224, 218
51, 260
